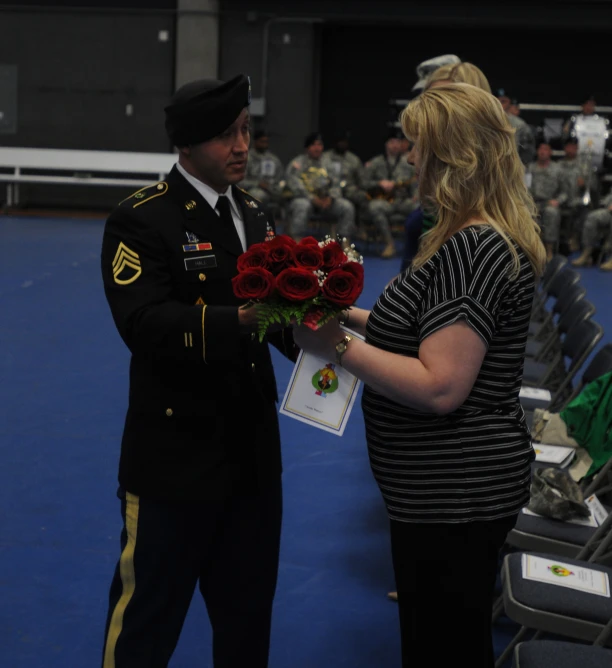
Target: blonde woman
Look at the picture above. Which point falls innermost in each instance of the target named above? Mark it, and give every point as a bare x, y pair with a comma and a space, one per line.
442, 365
418, 222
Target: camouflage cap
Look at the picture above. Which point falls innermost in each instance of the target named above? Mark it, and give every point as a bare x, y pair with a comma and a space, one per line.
425, 68
554, 494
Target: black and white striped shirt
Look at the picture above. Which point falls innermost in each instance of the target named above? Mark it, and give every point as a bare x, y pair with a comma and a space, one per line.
474, 463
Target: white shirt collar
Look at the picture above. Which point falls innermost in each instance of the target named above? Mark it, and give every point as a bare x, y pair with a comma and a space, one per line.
208, 193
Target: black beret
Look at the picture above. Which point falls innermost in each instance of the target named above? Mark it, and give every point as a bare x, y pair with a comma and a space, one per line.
312, 138
259, 134
201, 110
588, 98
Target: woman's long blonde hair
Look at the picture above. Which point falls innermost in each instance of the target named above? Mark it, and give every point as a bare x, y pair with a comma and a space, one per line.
470, 169
460, 73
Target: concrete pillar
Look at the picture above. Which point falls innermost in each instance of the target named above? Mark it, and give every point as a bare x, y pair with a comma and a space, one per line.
197, 40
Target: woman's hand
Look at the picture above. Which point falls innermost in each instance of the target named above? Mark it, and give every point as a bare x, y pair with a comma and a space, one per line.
321, 342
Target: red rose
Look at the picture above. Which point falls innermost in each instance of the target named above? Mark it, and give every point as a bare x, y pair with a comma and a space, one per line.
310, 257
308, 241
282, 239
342, 287
279, 253
255, 256
354, 268
333, 256
297, 284
254, 283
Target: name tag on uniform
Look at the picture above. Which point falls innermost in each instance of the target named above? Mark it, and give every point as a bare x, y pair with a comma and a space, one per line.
268, 168
200, 262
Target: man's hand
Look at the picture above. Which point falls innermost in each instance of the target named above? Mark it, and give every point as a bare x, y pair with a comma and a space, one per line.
554, 203
326, 202
580, 182
248, 318
387, 185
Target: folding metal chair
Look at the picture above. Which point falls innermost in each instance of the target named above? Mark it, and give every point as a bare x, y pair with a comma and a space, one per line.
578, 344
565, 278
547, 608
599, 365
557, 263
558, 654
570, 308
542, 534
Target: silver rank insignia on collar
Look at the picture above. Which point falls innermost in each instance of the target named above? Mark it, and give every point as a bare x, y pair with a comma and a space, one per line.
251, 204
191, 238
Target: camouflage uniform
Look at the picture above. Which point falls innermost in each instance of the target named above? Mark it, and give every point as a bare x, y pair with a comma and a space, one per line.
525, 141
301, 207
264, 167
572, 170
598, 225
348, 169
380, 209
548, 183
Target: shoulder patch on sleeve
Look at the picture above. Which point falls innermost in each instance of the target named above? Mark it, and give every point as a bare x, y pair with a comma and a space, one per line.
126, 265
147, 193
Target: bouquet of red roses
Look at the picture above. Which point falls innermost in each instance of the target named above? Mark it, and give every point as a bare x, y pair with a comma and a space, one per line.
309, 282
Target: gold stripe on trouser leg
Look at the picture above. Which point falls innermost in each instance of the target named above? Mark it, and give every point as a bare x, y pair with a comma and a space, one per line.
128, 579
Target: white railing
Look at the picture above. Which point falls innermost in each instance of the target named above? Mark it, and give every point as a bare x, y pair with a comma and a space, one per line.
90, 168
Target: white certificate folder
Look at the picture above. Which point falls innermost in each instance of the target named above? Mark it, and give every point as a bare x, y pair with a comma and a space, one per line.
320, 393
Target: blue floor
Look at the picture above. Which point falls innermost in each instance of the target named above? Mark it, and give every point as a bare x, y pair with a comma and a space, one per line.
63, 372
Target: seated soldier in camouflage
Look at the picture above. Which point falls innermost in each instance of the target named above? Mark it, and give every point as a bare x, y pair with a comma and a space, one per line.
265, 171
548, 189
576, 171
316, 189
391, 185
525, 142
348, 169
597, 230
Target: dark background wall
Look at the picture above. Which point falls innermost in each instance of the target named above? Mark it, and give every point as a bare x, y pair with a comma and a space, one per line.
78, 69
362, 54
546, 66
331, 65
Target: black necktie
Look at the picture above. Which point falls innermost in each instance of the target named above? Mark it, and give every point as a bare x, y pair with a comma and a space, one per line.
223, 207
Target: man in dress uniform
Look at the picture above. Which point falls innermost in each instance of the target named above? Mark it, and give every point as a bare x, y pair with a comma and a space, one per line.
200, 466
265, 171
391, 183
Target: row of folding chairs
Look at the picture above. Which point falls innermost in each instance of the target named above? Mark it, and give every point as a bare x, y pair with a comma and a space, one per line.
562, 337
569, 614
541, 608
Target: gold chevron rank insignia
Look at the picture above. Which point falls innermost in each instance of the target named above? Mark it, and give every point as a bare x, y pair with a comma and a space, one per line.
126, 265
